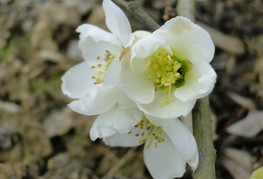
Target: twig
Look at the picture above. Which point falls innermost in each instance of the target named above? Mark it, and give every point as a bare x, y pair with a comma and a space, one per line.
122, 3
202, 122
202, 129
134, 8
120, 163
186, 8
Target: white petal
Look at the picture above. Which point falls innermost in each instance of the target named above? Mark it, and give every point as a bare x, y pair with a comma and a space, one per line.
134, 84
158, 121
142, 49
123, 140
125, 101
183, 140
146, 46
77, 81
117, 22
138, 64
96, 101
188, 40
98, 130
112, 76
137, 87
115, 121
174, 109
199, 82
164, 161
207, 80
97, 34
92, 49
138, 34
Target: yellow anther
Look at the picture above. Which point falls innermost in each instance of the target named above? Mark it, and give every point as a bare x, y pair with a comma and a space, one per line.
168, 68
148, 132
100, 74
148, 144
149, 77
166, 102
166, 71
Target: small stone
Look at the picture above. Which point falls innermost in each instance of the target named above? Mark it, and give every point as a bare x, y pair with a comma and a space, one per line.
58, 123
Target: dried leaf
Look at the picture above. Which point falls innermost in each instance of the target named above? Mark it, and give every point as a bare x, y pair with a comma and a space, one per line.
242, 101
250, 126
234, 169
244, 159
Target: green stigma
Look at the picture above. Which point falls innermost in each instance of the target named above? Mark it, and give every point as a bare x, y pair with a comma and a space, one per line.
167, 71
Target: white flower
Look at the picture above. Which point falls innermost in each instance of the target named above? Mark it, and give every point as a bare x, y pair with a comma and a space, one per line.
95, 87
94, 83
167, 147
168, 70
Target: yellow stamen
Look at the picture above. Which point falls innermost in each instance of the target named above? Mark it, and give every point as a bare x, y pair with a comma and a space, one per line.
166, 71
102, 68
149, 133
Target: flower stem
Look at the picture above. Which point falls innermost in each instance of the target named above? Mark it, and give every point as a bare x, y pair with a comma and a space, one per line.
203, 133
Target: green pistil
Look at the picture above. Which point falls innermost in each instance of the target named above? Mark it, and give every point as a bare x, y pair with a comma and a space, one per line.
102, 68
167, 71
185, 67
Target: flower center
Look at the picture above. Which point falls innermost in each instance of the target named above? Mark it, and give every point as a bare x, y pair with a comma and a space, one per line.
167, 71
102, 68
149, 133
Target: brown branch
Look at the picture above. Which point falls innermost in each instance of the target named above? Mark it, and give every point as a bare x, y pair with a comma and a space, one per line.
135, 9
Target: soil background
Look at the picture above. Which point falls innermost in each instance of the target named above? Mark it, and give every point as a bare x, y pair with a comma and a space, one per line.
40, 137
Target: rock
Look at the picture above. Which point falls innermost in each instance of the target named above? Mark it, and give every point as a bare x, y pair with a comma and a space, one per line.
58, 123
9, 107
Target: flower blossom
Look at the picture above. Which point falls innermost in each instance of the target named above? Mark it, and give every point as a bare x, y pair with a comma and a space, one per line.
168, 70
134, 80
168, 146
94, 82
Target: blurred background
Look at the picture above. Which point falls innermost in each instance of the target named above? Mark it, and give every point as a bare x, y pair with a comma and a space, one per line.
40, 137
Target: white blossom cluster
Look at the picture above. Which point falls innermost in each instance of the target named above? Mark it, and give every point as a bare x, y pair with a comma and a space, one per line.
140, 83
